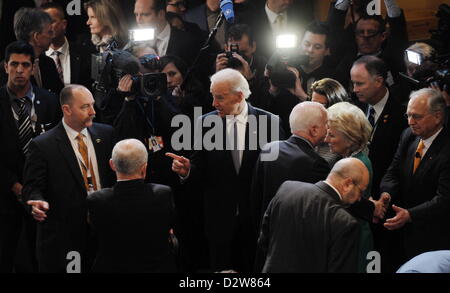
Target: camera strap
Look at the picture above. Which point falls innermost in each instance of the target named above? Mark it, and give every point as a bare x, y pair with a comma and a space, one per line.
150, 120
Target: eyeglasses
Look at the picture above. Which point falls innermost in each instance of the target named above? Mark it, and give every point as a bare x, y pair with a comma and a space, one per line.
367, 34
178, 4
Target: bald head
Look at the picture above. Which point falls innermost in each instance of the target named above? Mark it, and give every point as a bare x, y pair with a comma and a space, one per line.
129, 157
308, 120
350, 177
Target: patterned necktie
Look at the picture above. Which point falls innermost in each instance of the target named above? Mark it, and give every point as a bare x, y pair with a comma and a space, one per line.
59, 68
90, 182
280, 21
24, 123
371, 116
418, 155
37, 73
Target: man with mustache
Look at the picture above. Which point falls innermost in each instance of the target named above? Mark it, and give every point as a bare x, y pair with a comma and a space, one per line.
63, 167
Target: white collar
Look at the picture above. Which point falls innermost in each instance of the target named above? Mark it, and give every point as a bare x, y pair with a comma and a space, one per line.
241, 117
64, 49
71, 133
340, 196
378, 107
427, 142
165, 34
272, 15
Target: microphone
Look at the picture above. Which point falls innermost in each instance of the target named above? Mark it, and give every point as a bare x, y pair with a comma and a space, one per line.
227, 9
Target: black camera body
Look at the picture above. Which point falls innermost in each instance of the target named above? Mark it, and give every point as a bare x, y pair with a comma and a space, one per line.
233, 62
431, 71
108, 68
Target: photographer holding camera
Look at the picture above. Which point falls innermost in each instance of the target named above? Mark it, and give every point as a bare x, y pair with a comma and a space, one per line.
240, 55
146, 114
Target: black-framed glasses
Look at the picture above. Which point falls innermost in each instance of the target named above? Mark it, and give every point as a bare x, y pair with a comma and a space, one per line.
367, 34
178, 4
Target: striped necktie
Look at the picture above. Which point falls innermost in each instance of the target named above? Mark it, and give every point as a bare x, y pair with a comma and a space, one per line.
24, 123
418, 155
59, 68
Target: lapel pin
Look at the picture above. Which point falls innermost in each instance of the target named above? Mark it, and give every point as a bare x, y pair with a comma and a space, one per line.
98, 140
38, 102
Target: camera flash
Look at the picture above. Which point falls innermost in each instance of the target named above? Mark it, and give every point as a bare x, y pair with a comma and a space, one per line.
140, 35
286, 41
414, 57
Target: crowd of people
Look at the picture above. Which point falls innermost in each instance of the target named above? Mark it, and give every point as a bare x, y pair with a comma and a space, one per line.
210, 149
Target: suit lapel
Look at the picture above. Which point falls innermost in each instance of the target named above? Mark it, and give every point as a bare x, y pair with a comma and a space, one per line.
6, 109
74, 64
100, 153
431, 153
66, 149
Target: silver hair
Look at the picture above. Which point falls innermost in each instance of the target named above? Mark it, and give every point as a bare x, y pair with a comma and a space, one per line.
235, 79
29, 20
436, 102
128, 156
305, 115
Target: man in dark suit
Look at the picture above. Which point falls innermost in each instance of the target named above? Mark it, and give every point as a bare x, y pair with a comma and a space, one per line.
64, 165
68, 58
307, 229
418, 180
132, 220
370, 38
383, 111
225, 171
168, 40
297, 159
273, 17
34, 26
18, 125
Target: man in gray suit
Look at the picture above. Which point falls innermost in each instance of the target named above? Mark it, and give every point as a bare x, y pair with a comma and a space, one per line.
306, 228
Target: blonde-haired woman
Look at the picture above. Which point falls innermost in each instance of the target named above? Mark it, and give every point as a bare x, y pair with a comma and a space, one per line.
106, 23
348, 135
328, 92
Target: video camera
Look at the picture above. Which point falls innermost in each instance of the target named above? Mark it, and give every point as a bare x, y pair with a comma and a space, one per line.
429, 71
109, 67
287, 54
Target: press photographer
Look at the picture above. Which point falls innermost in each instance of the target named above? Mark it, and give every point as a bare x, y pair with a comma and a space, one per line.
240, 55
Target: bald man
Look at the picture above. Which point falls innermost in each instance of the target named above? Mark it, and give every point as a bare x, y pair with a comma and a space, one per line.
63, 166
307, 229
132, 219
297, 159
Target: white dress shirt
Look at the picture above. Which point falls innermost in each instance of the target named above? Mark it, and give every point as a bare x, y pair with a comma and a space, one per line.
427, 142
72, 134
241, 120
272, 16
162, 40
378, 107
65, 59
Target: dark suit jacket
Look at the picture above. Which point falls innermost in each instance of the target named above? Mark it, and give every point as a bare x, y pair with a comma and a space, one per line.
306, 229
426, 193
48, 113
52, 174
225, 191
392, 51
132, 222
183, 45
49, 75
384, 142
297, 160
298, 16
